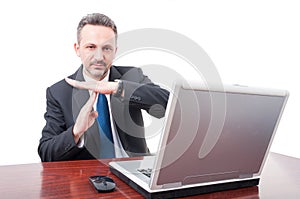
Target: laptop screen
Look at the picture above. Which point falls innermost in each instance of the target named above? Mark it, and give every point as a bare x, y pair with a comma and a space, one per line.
217, 135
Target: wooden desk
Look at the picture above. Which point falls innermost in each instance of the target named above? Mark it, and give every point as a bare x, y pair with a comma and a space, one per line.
280, 179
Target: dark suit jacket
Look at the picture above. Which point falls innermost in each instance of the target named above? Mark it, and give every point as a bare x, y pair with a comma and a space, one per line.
64, 103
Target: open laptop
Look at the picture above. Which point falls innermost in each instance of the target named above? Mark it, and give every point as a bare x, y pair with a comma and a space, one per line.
213, 139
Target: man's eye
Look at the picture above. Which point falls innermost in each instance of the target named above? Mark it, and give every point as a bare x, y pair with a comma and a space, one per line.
108, 49
91, 47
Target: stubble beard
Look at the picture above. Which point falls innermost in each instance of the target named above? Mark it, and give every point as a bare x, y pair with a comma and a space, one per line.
97, 74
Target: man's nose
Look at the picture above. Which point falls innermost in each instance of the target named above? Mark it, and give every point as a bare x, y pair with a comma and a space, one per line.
98, 55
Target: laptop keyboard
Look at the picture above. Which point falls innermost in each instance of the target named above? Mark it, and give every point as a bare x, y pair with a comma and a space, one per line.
146, 172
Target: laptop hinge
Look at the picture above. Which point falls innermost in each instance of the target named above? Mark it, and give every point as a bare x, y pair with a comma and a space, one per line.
172, 185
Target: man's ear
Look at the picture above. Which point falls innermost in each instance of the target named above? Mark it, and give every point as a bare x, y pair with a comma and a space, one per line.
76, 48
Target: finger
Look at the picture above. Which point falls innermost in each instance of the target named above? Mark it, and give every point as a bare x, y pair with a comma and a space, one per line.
88, 107
92, 117
72, 82
76, 84
83, 85
92, 99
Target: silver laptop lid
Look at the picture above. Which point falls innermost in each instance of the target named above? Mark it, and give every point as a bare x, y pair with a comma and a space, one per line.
216, 134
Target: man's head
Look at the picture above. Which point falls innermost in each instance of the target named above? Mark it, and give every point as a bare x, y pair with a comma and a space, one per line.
96, 44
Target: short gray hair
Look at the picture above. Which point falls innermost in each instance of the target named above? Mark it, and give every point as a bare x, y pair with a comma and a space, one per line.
96, 19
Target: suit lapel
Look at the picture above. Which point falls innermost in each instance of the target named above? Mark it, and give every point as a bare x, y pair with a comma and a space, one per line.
79, 98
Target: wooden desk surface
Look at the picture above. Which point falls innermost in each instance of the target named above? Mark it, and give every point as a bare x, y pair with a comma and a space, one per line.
280, 179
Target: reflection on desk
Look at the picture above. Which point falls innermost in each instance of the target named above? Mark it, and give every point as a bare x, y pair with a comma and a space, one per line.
69, 179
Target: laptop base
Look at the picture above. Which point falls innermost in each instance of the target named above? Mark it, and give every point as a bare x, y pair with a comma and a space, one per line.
186, 191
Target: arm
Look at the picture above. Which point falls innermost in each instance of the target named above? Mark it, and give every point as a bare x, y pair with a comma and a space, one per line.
57, 142
144, 94
138, 91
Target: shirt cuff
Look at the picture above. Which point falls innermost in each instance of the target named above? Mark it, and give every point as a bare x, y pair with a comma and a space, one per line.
80, 143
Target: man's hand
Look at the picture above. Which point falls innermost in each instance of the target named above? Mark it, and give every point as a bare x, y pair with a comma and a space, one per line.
96, 86
86, 118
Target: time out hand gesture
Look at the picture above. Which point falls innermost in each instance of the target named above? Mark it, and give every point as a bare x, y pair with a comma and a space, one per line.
96, 86
87, 116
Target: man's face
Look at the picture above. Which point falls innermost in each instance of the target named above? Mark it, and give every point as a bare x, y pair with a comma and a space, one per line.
97, 49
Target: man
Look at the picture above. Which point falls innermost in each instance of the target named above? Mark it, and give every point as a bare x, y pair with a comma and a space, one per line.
73, 127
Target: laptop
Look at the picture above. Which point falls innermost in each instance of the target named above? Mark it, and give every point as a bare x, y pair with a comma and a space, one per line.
214, 138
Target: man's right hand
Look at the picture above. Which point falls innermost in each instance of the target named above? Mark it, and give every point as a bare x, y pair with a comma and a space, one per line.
86, 118
96, 86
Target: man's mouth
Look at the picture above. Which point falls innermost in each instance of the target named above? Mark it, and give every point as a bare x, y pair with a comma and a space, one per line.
99, 65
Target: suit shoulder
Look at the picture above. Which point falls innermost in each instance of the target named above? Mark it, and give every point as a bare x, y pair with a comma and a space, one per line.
124, 69
61, 87
59, 90
58, 85
62, 83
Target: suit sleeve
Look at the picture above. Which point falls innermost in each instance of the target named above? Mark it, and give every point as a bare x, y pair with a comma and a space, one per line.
142, 93
57, 142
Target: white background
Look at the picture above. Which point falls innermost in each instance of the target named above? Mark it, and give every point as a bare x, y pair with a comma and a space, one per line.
253, 42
